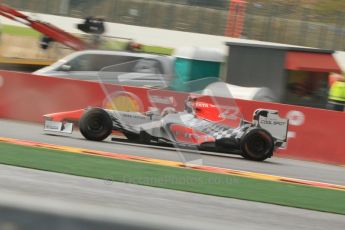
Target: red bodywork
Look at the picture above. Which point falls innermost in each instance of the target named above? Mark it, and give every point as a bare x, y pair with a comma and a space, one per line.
186, 134
47, 29
72, 116
204, 110
228, 115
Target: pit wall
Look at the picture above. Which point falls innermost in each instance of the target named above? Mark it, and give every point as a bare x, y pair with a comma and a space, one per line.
314, 134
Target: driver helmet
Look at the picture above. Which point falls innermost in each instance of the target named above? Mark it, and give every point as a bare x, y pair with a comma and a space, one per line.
190, 104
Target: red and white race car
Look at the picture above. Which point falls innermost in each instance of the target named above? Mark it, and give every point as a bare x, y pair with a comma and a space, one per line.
201, 125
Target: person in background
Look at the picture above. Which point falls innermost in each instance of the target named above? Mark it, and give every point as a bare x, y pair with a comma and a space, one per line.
333, 77
336, 96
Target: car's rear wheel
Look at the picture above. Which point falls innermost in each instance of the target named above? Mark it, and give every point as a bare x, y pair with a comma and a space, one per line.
95, 124
257, 144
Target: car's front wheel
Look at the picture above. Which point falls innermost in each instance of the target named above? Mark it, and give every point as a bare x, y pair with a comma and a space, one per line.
257, 144
95, 124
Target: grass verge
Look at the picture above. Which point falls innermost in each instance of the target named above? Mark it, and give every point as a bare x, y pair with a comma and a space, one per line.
111, 45
20, 31
157, 50
299, 196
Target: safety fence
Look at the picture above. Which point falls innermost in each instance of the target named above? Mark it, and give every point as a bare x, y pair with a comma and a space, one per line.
314, 134
275, 21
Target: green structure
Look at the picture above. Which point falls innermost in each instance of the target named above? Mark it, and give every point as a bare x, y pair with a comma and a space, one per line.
196, 67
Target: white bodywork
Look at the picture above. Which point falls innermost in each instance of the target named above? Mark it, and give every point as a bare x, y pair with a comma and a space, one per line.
274, 124
54, 126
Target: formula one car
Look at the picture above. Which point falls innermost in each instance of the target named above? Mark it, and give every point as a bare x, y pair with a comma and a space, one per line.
199, 126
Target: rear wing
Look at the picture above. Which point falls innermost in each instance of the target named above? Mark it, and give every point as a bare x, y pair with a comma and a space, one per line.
273, 123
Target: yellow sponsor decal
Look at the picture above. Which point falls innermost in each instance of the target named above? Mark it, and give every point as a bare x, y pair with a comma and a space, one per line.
123, 101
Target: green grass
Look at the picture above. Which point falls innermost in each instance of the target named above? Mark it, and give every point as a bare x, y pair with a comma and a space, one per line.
157, 50
110, 44
174, 178
121, 45
19, 31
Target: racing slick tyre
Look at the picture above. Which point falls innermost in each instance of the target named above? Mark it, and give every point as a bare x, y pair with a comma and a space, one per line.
95, 124
257, 144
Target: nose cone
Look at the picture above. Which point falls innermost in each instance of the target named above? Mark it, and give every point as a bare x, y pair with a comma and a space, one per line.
74, 115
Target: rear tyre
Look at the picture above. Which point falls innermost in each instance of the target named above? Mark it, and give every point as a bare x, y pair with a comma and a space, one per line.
95, 124
257, 144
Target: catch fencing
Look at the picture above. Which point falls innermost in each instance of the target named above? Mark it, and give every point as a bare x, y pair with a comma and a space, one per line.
291, 23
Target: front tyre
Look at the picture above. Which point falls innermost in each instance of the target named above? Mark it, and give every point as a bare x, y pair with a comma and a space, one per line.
95, 124
257, 144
